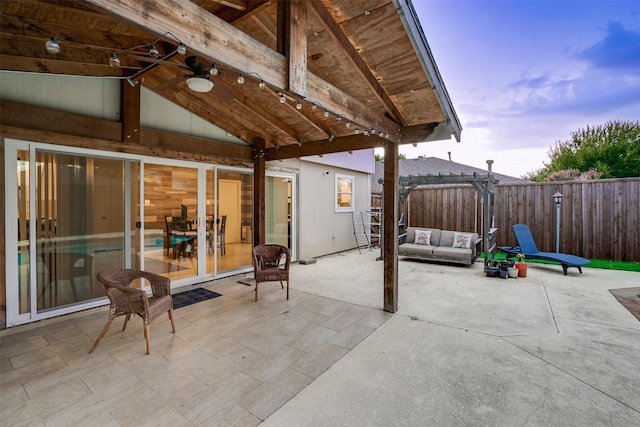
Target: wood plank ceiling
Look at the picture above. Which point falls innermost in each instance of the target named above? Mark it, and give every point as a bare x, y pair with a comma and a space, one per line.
362, 62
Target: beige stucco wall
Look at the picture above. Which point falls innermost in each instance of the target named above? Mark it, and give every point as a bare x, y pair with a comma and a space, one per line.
321, 230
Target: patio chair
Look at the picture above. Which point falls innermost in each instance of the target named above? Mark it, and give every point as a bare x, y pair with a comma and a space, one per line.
527, 246
126, 300
266, 265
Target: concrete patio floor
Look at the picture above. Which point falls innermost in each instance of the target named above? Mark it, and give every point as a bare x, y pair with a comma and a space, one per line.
462, 350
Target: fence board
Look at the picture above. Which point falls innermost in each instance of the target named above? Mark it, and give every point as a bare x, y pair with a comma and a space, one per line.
600, 219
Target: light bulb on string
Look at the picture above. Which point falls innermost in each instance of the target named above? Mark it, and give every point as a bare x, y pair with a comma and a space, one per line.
52, 45
213, 70
348, 124
182, 49
262, 84
326, 113
241, 79
282, 98
299, 105
114, 61
357, 131
154, 52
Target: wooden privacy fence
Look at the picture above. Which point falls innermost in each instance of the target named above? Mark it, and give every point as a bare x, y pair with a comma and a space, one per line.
599, 219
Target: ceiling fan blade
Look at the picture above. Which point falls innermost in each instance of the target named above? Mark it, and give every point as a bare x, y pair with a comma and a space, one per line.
168, 84
158, 61
221, 91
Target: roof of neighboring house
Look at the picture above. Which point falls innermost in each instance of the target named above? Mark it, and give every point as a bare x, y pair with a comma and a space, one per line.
434, 166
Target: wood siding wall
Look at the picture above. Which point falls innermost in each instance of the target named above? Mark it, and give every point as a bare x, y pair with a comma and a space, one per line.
599, 219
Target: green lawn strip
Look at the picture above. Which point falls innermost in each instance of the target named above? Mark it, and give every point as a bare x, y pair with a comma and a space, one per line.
595, 263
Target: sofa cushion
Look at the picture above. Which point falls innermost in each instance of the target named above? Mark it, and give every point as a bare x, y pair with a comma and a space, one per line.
462, 240
435, 236
446, 238
413, 250
449, 252
423, 237
434, 240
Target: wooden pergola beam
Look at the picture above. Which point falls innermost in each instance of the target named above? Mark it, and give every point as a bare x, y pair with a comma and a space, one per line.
235, 4
42, 119
130, 108
352, 55
297, 42
222, 42
338, 145
390, 228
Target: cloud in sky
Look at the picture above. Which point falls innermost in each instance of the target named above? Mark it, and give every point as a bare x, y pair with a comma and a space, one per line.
619, 50
525, 74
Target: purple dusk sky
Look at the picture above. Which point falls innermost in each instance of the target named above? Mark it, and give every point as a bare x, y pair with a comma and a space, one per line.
525, 74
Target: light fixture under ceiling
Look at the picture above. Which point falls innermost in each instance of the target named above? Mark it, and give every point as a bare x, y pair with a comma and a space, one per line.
52, 45
199, 84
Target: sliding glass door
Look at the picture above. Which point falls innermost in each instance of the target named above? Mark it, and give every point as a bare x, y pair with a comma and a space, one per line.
71, 213
72, 218
279, 210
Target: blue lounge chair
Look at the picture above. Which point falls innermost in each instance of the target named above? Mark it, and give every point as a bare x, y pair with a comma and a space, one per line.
527, 246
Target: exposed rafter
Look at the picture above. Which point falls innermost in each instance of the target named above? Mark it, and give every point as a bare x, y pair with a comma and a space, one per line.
225, 43
352, 55
338, 145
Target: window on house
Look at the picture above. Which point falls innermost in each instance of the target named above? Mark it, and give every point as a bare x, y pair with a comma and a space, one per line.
344, 193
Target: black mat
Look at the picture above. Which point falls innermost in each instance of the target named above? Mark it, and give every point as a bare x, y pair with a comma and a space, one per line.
193, 296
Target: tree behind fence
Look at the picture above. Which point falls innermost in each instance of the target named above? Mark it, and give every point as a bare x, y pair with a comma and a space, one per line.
599, 219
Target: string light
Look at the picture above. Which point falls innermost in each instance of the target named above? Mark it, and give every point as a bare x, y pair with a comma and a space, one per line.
52, 45
114, 61
154, 52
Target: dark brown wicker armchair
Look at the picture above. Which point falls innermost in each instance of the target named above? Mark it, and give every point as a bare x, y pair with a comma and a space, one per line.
126, 300
266, 265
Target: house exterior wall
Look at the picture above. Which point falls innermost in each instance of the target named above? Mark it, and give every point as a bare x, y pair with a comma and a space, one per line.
322, 230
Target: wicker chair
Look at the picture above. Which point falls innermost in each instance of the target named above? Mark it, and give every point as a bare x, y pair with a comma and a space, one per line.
266, 265
126, 300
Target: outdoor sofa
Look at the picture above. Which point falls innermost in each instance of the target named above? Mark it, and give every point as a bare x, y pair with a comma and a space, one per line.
439, 245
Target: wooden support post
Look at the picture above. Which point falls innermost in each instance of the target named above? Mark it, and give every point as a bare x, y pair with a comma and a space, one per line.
297, 49
130, 112
259, 188
291, 42
390, 227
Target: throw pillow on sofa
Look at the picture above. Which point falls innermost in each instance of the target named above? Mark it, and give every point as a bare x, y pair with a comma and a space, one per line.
423, 237
462, 240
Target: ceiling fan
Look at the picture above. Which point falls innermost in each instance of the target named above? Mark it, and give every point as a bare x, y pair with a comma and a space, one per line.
200, 79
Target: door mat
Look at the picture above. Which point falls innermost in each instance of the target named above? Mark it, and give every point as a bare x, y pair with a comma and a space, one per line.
629, 298
192, 296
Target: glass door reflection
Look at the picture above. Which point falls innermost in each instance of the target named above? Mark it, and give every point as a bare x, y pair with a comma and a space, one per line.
170, 221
